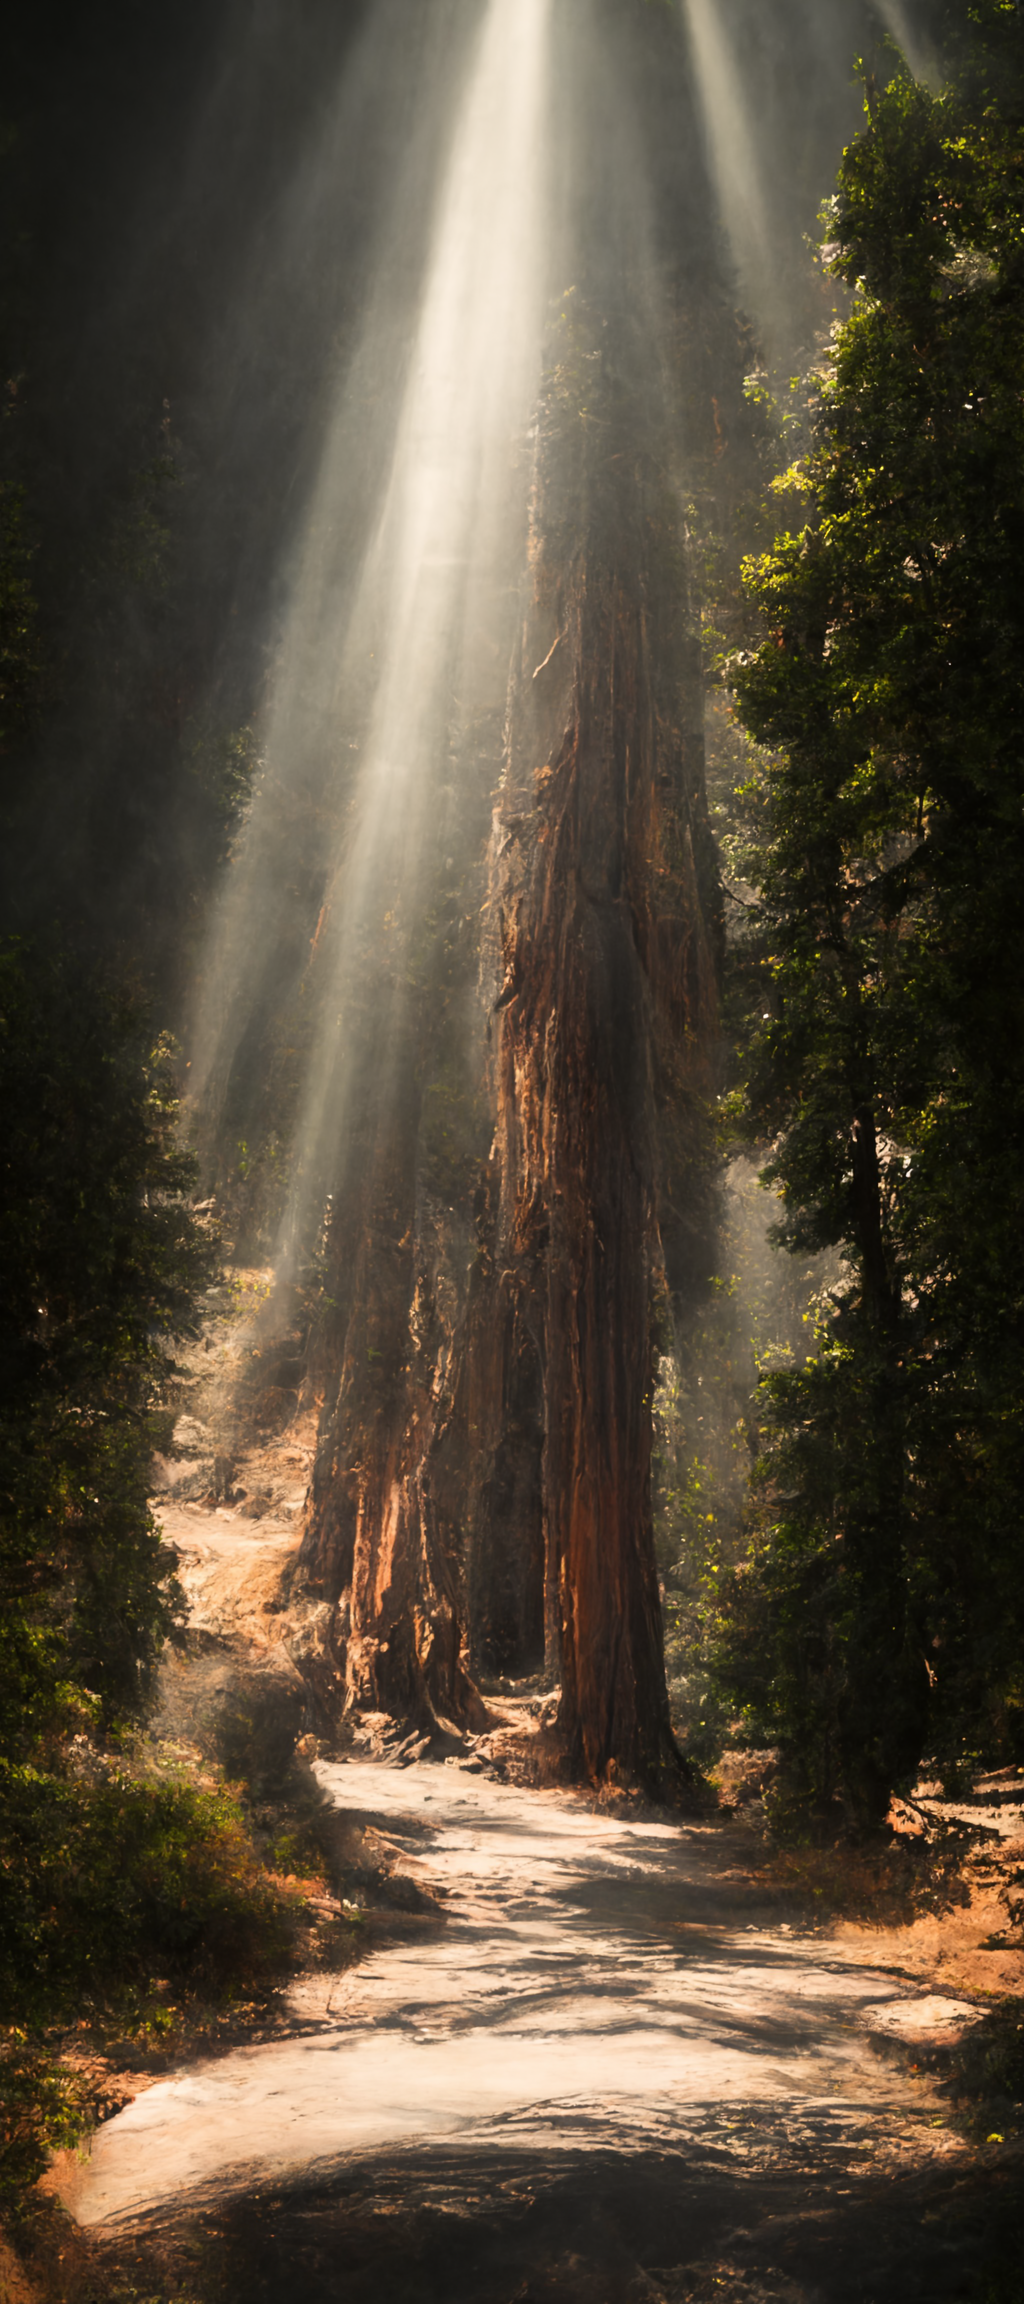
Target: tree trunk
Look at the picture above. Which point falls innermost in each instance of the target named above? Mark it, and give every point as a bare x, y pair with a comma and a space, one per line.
482, 1497
371, 1536
603, 1035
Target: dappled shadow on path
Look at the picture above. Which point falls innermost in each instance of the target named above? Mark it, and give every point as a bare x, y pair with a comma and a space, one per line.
612, 2070
747, 2213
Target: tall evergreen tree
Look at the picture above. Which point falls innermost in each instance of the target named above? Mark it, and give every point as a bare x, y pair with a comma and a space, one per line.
101, 1259
885, 1060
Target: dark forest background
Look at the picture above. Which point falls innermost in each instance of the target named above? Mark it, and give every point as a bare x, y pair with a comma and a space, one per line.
162, 370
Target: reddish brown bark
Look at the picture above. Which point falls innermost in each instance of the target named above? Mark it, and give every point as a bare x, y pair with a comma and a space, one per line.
486, 1470
482, 1493
371, 1538
604, 1029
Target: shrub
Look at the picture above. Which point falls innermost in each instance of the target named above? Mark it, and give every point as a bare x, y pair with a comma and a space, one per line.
101, 1884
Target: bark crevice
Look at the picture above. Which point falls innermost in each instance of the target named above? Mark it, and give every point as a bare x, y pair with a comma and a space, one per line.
494, 1505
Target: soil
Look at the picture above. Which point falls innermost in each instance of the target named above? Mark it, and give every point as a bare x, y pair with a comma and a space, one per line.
613, 2071
586, 2051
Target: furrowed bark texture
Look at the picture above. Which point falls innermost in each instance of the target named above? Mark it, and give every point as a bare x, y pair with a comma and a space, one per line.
481, 1502
603, 888
371, 1538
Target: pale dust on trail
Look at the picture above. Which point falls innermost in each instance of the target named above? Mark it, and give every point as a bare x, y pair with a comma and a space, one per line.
596, 1984
604, 2053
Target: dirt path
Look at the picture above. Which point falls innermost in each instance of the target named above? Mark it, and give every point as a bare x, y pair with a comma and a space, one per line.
597, 2068
602, 2018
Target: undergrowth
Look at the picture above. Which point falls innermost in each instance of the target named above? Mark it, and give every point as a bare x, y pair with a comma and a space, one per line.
987, 2080
889, 1882
130, 1911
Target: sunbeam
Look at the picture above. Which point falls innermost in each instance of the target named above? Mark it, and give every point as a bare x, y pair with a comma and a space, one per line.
415, 631
919, 54
437, 550
735, 158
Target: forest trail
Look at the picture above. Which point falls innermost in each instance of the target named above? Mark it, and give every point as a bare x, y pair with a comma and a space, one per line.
601, 2017
592, 1986
596, 2059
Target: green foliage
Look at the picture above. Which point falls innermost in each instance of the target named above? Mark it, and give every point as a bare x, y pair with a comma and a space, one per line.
101, 1884
222, 765
689, 1544
822, 1635
105, 1879
755, 1317
42, 2110
105, 1887
881, 965
100, 1263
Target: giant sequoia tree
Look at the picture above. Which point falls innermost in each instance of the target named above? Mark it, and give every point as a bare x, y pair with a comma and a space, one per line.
481, 1502
482, 1499
886, 959
605, 912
